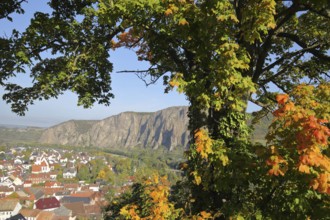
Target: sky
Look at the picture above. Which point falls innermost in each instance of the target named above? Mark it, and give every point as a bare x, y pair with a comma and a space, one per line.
131, 94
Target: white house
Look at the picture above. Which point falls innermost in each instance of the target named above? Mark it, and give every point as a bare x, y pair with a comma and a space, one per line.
69, 173
18, 161
9, 208
6, 190
17, 181
94, 187
53, 175
41, 166
2, 177
6, 181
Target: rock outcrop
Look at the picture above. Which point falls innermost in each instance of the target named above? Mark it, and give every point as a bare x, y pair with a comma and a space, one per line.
166, 128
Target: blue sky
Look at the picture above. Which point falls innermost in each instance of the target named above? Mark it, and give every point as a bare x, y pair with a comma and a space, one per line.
130, 92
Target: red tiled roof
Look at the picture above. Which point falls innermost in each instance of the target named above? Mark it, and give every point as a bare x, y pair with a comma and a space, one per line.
83, 194
44, 215
39, 175
52, 191
71, 186
51, 184
93, 209
77, 208
6, 189
47, 203
61, 217
36, 168
29, 212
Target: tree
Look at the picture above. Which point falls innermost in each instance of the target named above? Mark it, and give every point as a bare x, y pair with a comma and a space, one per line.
220, 54
148, 200
10, 6
83, 172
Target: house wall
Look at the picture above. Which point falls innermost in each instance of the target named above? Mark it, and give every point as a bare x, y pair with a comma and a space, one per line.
7, 214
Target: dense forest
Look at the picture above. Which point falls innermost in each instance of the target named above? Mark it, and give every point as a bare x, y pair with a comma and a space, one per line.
221, 55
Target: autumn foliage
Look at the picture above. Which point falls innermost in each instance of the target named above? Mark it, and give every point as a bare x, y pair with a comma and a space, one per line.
300, 128
220, 54
154, 204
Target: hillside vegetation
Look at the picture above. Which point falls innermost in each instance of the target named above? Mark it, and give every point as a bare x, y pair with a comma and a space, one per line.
116, 131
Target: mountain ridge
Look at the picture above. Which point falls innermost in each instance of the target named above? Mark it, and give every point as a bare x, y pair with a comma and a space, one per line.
167, 127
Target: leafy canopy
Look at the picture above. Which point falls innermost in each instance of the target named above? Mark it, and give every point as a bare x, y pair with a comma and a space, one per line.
220, 54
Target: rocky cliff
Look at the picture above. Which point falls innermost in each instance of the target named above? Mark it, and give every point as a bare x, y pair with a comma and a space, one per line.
167, 128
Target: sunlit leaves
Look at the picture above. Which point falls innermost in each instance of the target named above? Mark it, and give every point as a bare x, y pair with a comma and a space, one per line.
155, 203
216, 53
183, 21
301, 128
257, 19
203, 143
277, 163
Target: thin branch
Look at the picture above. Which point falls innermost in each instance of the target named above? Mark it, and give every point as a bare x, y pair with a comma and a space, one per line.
325, 12
268, 41
142, 74
153, 80
302, 44
266, 92
282, 71
280, 87
137, 71
288, 56
260, 104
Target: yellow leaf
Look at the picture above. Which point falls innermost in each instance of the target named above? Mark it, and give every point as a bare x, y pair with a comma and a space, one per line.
168, 12
271, 25
304, 168
234, 18
183, 21
198, 180
221, 17
205, 215
124, 211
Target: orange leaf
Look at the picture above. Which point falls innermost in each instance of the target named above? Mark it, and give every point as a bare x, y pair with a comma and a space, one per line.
168, 12
205, 215
183, 21
282, 98
304, 168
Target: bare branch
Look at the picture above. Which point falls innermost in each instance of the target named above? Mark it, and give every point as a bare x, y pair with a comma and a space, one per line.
143, 74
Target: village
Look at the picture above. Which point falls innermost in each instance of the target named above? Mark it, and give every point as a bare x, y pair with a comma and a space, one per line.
38, 184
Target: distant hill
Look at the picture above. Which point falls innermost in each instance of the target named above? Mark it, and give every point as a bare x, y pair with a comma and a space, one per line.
166, 128
19, 134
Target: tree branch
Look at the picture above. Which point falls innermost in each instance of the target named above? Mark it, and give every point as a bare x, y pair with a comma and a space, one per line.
142, 74
304, 45
268, 41
280, 87
282, 71
288, 56
324, 12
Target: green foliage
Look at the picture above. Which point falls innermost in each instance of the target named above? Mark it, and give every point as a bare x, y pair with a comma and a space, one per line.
10, 6
220, 54
83, 172
148, 200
